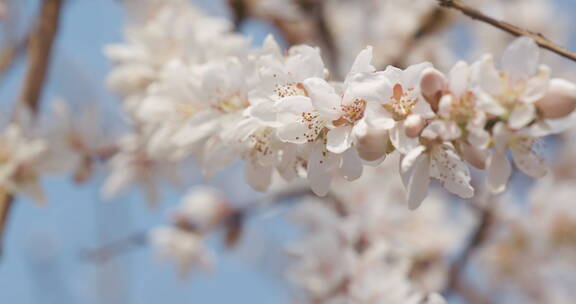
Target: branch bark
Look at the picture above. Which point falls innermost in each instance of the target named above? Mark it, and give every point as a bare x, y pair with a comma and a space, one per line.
39, 50
477, 239
507, 27
234, 220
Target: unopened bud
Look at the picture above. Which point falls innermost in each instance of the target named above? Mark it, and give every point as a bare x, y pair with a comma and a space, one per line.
474, 156
432, 84
413, 125
371, 143
559, 101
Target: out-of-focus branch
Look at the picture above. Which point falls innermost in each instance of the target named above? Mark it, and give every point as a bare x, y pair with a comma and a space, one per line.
39, 50
232, 224
115, 248
507, 27
9, 55
477, 239
315, 10
313, 27
431, 23
5, 206
471, 294
240, 12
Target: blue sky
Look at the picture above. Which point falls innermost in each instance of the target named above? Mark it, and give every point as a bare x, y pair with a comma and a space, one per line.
42, 264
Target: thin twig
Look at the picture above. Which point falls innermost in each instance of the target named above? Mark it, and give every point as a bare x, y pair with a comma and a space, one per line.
431, 23
5, 206
39, 50
316, 10
477, 239
113, 249
10, 54
507, 27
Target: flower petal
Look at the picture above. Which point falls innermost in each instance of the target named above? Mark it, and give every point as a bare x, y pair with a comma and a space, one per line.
351, 166
522, 115
417, 180
362, 63
451, 171
319, 176
258, 177
339, 139
521, 58
526, 161
499, 171
324, 98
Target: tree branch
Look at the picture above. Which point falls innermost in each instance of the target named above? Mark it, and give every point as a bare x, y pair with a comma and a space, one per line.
10, 54
39, 50
477, 239
233, 220
507, 27
432, 23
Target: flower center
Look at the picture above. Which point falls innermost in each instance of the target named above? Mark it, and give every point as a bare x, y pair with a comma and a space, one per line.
290, 89
401, 102
351, 113
232, 103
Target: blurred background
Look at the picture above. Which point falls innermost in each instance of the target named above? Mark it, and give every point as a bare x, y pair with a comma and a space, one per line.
43, 259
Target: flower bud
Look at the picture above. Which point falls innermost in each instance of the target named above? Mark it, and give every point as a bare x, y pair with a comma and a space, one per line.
371, 143
432, 83
474, 155
559, 101
413, 125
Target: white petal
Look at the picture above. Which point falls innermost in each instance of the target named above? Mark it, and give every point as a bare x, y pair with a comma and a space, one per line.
488, 104
451, 171
117, 182
499, 171
304, 62
324, 98
410, 158
351, 166
537, 86
362, 62
291, 106
339, 139
521, 58
528, 162
459, 75
412, 74
264, 111
378, 117
485, 74
400, 140
319, 176
417, 181
522, 115
258, 177
270, 46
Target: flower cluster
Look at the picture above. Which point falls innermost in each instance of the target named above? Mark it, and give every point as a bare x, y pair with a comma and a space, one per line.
213, 98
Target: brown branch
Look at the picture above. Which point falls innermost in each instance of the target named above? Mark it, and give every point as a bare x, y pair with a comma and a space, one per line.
315, 10
10, 54
232, 224
114, 248
431, 23
477, 239
507, 27
5, 206
240, 11
39, 50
